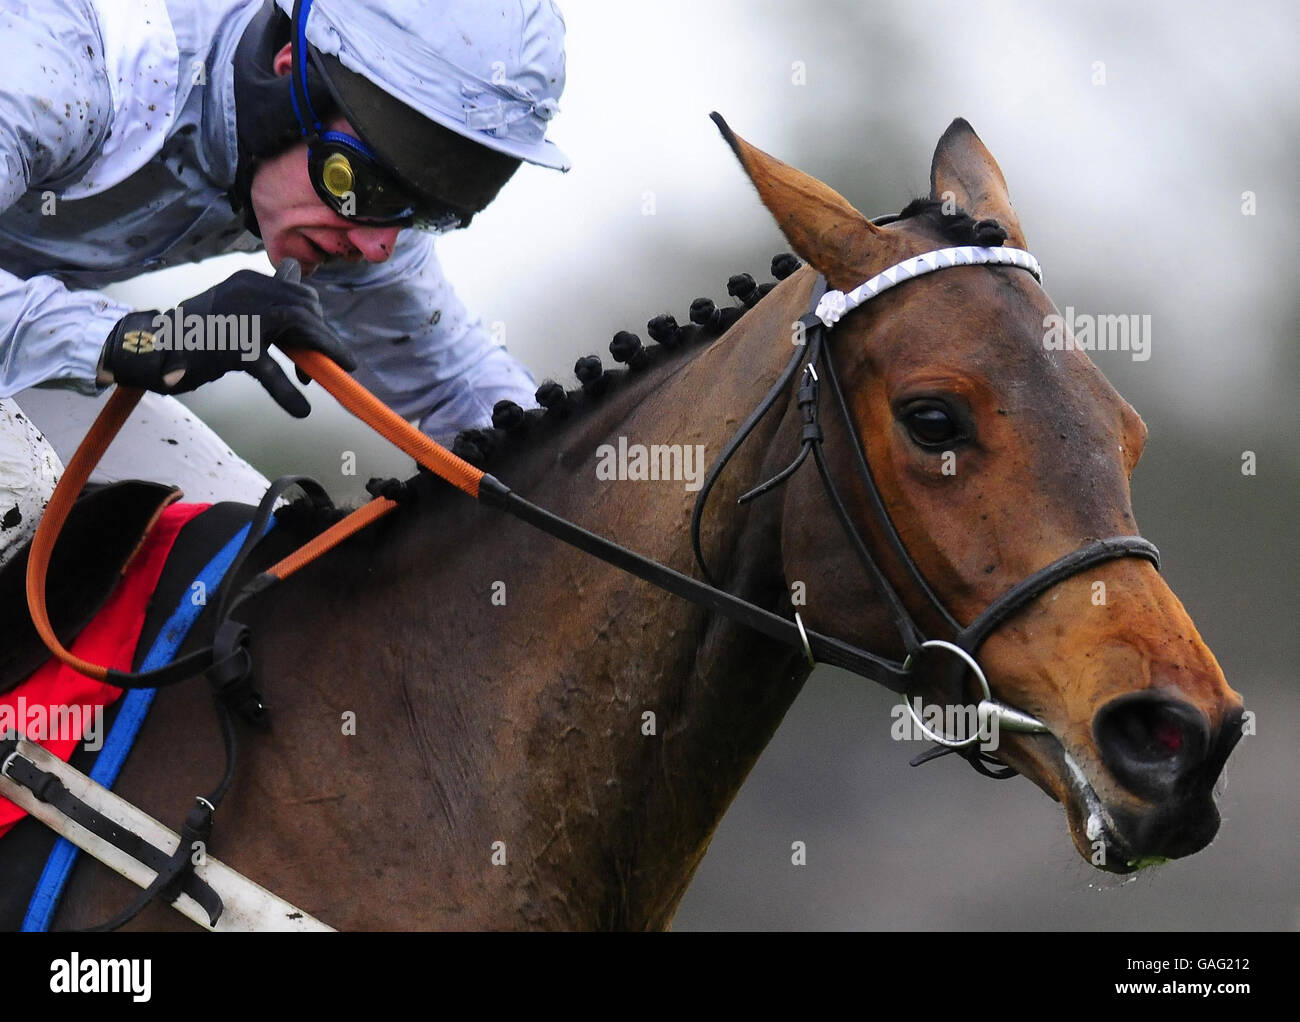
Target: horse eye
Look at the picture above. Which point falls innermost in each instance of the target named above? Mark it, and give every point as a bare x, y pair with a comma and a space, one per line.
932, 426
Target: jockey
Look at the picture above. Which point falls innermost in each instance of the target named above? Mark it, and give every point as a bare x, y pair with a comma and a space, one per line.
344, 134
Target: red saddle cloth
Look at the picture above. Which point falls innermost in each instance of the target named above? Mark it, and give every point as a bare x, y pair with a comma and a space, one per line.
41, 705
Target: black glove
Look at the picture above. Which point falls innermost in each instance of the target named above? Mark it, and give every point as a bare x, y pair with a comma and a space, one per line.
228, 327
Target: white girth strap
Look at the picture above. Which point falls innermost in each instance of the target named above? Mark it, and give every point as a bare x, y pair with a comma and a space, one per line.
246, 905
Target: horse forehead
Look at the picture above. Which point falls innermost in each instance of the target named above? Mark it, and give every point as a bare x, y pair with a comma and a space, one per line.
976, 321
994, 322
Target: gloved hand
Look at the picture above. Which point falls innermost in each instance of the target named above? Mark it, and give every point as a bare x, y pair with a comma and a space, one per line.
227, 327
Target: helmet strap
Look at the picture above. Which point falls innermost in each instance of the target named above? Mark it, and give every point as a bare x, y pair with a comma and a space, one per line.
265, 122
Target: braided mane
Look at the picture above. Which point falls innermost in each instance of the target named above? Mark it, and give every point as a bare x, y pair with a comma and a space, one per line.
707, 321
514, 428
957, 226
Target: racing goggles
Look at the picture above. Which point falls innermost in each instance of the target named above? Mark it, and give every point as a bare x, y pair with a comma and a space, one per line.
352, 182
347, 175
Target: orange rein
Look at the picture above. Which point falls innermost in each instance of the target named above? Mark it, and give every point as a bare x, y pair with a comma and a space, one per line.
386, 422
89, 451
350, 394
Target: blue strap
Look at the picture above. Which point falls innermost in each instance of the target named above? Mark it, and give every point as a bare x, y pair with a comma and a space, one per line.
135, 706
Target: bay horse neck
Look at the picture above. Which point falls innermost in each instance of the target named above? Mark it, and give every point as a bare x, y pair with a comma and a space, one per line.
524, 718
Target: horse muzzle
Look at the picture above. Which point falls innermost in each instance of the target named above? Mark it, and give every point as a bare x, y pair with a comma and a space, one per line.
1162, 758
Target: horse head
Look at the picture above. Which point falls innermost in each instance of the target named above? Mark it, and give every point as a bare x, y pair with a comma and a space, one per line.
996, 453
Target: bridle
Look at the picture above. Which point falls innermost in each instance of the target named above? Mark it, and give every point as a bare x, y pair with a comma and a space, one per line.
963, 643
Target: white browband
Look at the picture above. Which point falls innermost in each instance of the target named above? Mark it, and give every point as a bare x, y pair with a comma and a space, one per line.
835, 304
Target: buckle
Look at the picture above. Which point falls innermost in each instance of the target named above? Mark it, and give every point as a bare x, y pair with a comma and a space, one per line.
231, 673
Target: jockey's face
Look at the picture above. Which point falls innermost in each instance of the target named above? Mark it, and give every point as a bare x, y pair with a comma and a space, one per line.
295, 222
293, 219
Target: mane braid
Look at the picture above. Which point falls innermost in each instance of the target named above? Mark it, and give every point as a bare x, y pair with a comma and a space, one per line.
958, 226
512, 425
515, 429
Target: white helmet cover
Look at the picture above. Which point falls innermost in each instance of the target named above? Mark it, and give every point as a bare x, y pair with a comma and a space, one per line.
488, 70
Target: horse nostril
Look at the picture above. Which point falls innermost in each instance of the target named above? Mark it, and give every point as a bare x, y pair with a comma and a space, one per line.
1150, 741
1168, 735
1147, 732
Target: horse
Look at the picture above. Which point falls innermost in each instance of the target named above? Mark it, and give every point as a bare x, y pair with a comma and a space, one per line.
474, 726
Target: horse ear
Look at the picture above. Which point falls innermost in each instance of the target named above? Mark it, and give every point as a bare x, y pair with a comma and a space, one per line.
820, 224
964, 170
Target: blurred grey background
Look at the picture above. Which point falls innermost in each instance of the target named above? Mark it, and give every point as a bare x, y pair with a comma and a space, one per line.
1131, 196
